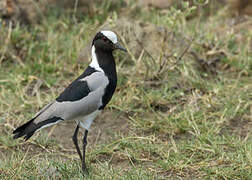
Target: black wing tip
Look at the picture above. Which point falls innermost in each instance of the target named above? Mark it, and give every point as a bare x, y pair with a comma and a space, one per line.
29, 128
25, 129
16, 136
29, 135
20, 134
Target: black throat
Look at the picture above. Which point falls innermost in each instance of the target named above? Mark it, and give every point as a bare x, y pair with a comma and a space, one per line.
106, 62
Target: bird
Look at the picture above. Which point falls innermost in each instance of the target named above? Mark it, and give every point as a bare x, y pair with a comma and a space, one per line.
85, 98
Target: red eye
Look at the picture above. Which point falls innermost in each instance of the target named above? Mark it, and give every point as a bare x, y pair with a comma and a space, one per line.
104, 39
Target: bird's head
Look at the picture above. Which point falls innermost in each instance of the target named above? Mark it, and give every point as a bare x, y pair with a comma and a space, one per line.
107, 41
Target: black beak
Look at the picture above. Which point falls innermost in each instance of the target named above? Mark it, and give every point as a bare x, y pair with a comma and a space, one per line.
119, 46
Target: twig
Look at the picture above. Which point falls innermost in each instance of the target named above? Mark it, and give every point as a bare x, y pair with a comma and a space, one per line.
163, 63
128, 50
6, 42
75, 6
22, 161
50, 133
139, 59
182, 54
19, 60
185, 50
141, 45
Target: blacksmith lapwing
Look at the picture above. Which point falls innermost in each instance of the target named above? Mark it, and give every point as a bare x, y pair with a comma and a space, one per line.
85, 98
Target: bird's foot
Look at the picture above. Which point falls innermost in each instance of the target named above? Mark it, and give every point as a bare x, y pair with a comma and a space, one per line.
84, 169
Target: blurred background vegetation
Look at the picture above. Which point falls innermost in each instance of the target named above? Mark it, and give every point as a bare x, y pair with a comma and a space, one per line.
182, 108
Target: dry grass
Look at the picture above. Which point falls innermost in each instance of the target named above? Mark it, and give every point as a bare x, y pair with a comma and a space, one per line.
181, 113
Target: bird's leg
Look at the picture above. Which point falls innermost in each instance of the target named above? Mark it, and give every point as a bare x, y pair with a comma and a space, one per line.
75, 140
84, 168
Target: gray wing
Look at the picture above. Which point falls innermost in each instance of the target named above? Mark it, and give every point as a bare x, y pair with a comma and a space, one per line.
67, 110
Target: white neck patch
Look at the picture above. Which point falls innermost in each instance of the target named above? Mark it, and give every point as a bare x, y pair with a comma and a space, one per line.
94, 63
110, 35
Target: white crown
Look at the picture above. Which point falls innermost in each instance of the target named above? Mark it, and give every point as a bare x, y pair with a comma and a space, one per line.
110, 35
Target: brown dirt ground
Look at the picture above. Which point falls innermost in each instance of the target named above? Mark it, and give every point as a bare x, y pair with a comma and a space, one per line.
102, 130
240, 126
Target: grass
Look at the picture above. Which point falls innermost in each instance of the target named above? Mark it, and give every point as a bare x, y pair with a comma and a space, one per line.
186, 120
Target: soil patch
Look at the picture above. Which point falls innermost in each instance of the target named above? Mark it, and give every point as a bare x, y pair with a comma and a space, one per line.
102, 130
240, 126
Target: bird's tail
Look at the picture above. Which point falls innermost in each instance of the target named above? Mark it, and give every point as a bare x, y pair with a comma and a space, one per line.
29, 128
26, 129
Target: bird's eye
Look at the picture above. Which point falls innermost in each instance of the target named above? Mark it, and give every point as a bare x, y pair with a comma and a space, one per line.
104, 39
